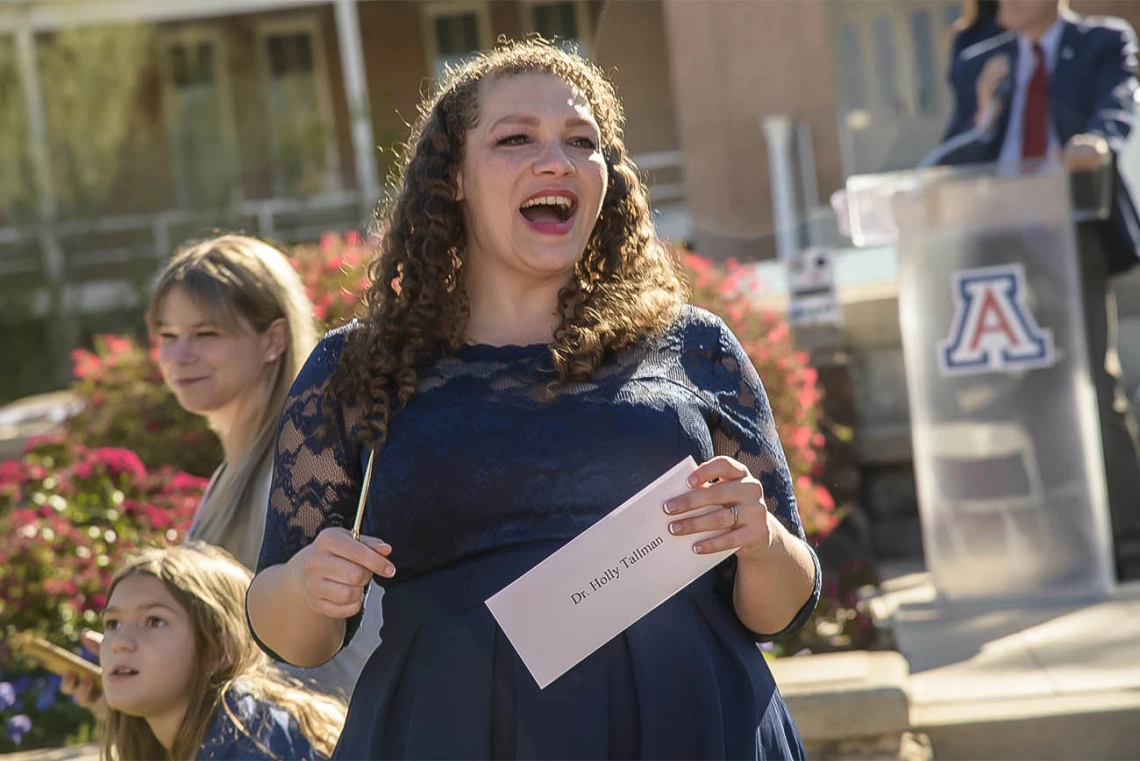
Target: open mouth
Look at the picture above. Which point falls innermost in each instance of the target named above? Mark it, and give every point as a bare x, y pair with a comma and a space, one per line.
120, 672
551, 213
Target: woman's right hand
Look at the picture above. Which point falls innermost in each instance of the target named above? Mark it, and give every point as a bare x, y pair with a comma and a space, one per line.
332, 573
87, 691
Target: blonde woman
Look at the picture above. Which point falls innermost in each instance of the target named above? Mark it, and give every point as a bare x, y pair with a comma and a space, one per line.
234, 327
184, 678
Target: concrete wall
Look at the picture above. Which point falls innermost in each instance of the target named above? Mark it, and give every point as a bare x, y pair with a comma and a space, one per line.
631, 45
733, 63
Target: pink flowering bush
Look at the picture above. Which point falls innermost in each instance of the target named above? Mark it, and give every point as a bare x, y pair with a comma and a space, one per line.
68, 516
335, 276
793, 389
790, 382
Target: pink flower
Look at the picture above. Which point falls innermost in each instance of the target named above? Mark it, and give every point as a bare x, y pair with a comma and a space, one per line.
186, 482
118, 344
352, 239
328, 240
11, 471
320, 312
696, 263
824, 498
778, 333
120, 462
85, 364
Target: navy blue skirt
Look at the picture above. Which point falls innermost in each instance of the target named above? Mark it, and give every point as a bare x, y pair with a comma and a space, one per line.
685, 682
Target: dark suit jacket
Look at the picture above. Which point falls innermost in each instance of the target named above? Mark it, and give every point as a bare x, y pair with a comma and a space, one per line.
1091, 90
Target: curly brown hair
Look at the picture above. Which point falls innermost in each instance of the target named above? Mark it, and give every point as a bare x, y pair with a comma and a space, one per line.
625, 287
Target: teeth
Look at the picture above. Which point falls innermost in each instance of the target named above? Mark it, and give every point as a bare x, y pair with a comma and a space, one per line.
548, 201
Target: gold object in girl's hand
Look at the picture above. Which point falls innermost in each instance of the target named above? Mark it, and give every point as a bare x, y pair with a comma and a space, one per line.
363, 496
53, 657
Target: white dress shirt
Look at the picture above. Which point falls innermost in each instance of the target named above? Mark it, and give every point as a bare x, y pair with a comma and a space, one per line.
1026, 64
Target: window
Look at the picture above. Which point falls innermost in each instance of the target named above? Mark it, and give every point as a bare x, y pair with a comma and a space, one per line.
199, 122
885, 64
453, 31
926, 78
851, 53
302, 142
561, 20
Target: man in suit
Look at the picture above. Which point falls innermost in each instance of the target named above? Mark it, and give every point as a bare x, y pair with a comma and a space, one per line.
1043, 82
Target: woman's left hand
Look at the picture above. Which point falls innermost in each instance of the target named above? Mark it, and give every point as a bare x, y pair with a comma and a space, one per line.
743, 517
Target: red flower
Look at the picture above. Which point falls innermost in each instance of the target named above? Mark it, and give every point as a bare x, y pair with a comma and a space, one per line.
118, 344
120, 462
697, 263
11, 471
824, 498
85, 364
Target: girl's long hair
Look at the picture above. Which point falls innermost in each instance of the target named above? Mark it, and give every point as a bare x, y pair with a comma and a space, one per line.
210, 585
246, 284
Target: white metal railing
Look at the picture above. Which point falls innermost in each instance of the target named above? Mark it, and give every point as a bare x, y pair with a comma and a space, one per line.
305, 218
664, 162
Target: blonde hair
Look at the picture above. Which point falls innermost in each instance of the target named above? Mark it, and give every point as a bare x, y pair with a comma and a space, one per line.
211, 585
246, 284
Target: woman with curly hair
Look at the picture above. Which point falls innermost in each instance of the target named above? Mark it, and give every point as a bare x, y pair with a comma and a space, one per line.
526, 363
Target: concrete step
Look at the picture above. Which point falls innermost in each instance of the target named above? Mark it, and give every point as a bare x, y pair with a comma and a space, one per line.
1097, 726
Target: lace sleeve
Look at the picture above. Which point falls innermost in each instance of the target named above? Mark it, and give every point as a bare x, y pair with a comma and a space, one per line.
316, 479
745, 430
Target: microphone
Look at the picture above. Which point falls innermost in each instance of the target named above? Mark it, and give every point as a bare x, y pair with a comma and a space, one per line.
998, 105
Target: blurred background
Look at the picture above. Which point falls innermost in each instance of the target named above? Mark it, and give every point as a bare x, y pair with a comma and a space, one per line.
130, 126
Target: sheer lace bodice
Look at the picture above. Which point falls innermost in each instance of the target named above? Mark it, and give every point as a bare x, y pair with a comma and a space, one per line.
486, 458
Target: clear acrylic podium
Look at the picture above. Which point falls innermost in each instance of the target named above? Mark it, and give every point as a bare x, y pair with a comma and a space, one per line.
1006, 439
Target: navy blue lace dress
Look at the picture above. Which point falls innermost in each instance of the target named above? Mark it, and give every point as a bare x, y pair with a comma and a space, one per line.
484, 475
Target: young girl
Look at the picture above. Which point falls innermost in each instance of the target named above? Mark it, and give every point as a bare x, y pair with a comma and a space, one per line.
182, 677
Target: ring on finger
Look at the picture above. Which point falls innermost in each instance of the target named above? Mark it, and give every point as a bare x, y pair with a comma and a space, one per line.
735, 516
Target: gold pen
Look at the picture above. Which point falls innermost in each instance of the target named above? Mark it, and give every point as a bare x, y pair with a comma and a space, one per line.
363, 496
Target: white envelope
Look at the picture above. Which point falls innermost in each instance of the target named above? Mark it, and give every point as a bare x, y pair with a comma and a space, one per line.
603, 581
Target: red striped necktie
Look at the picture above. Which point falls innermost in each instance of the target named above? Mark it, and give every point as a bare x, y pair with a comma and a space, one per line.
1035, 134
